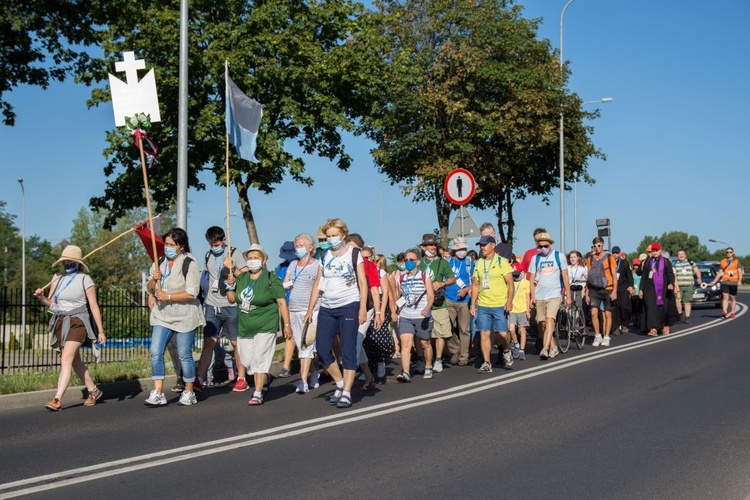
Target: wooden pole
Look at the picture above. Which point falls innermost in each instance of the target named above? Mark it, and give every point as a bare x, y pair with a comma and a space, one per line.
148, 205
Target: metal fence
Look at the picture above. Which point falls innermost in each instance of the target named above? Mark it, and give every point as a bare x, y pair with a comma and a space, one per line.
125, 319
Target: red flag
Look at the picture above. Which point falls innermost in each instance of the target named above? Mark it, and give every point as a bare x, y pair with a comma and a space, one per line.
144, 233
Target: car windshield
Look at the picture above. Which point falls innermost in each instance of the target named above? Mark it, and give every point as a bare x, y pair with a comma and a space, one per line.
707, 273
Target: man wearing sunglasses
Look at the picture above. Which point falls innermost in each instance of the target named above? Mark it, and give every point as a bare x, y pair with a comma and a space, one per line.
547, 272
600, 291
730, 275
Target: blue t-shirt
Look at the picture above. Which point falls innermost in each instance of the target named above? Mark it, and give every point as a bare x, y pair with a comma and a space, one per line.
463, 269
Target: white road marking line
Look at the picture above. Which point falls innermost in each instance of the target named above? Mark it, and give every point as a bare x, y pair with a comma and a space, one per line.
98, 471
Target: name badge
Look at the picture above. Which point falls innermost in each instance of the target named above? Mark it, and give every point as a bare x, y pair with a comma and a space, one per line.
245, 306
215, 285
485, 284
287, 285
322, 285
460, 283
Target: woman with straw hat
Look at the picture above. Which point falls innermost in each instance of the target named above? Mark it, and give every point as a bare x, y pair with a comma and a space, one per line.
69, 300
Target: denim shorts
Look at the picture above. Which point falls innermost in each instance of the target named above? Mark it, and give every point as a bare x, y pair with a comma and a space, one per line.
221, 320
491, 319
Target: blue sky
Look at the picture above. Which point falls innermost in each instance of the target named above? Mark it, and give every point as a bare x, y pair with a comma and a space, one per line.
673, 136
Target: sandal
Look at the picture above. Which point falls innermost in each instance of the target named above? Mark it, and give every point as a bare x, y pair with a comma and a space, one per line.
344, 402
255, 401
267, 385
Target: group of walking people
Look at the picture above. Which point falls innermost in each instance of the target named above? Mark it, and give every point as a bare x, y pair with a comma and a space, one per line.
347, 316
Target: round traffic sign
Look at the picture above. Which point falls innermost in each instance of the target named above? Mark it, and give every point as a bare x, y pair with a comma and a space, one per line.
459, 186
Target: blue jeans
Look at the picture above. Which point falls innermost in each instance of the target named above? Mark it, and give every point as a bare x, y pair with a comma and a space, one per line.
159, 338
345, 321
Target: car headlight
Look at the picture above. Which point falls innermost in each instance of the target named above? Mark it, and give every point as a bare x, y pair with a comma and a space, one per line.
716, 287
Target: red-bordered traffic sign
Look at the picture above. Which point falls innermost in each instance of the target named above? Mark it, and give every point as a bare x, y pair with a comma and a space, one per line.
459, 186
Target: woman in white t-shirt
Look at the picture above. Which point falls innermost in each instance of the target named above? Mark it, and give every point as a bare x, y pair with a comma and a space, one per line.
578, 274
69, 301
342, 297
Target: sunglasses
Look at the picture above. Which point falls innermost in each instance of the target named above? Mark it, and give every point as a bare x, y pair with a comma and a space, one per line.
730, 253
411, 260
543, 246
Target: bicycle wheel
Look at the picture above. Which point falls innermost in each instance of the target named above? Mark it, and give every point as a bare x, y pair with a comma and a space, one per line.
563, 329
578, 327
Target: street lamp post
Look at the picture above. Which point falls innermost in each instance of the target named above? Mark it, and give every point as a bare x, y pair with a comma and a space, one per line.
23, 265
603, 100
719, 241
561, 161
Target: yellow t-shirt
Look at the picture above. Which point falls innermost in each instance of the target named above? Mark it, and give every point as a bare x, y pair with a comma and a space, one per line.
492, 271
519, 301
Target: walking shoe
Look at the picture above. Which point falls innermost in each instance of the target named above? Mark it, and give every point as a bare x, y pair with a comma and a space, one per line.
54, 405
605, 341
178, 387
597, 340
665, 330
731, 315
553, 352
241, 385
197, 384
438, 366
93, 397
404, 377
687, 320
507, 360
427, 373
486, 367
514, 350
267, 385
284, 373
302, 387
624, 330
187, 399
156, 399
380, 372
419, 367
315, 380
543, 354
521, 355
652, 332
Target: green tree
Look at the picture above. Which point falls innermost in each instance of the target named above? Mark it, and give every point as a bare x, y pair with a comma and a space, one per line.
467, 84
44, 41
279, 51
673, 241
120, 263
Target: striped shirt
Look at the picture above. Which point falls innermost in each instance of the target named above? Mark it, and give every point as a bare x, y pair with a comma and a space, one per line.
684, 271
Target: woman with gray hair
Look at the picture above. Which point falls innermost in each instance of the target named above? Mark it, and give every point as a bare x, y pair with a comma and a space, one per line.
299, 280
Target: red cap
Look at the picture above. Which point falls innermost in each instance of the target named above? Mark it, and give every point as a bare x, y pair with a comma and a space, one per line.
655, 247
636, 262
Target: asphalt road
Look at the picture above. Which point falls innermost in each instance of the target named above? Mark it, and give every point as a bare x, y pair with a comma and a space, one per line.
645, 418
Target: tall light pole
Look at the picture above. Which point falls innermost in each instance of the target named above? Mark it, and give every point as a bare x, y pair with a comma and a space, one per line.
561, 161
23, 265
719, 241
182, 120
603, 100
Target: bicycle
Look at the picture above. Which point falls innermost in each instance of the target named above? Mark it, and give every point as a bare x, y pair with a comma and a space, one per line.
570, 326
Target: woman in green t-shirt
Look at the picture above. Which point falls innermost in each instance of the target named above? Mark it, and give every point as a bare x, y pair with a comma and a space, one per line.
261, 299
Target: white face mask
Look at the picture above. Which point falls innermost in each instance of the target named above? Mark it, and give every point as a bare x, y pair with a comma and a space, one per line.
461, 254
254, 265
429, 254
544, 250
335, 241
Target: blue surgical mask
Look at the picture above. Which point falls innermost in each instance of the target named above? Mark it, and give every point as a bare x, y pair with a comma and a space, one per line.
217, 250
401, 267
170, 253
335, 241
324, 245
71, 268
300, 252
410, 265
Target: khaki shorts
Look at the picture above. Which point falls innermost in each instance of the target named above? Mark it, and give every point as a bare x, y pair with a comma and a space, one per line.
441, 328
547, 308
687, 293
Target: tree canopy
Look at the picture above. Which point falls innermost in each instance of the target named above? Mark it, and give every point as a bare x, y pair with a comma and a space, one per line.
279, 51
467, 84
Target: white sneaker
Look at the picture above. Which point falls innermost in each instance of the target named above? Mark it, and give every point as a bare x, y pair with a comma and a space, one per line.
187, 399
156, 399
543, 354
507, 360
598, 340
302, 387
381, 370
315, 380
437, 367
605, 341
553, 352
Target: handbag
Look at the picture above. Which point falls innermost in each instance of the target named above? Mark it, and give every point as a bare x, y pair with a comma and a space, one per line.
308, 335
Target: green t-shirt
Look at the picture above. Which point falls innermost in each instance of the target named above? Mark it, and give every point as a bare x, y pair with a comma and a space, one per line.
258, 309
438, 270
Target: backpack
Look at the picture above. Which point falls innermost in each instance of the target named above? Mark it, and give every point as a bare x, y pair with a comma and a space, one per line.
538, 257
439, 298
597, 273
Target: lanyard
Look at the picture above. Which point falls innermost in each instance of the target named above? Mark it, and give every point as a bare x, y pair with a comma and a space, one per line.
330, 262
218, 264
407, 285
484, 261
246, 294
301, 269
59, 291
166, 273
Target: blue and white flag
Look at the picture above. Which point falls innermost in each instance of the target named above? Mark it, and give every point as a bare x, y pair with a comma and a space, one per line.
243, 117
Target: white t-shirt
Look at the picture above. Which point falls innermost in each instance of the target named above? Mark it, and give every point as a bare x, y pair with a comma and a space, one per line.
70, 292
547, 275
339, 279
